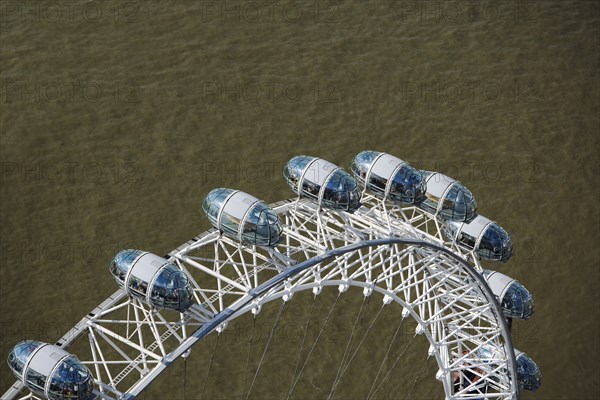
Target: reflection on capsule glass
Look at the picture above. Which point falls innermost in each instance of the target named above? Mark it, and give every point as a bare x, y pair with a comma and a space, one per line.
326, 183
486, 237
153, 279
50, 371
448, 198
528, 372
242, 217
516, 301
388, 177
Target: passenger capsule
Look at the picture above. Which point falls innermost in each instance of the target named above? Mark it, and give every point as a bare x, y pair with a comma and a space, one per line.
388, 177
242, 217
528, 372
326, 183
486, 237
153, 279
514, 298
448, 198
49, 371
529, 376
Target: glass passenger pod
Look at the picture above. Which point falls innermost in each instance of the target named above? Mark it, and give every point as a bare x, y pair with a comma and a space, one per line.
516, 301
152, 278
388, 177
326, 183
361, 165
486, 237
529, 376
528, 372
448, 198
50, 371
242, 217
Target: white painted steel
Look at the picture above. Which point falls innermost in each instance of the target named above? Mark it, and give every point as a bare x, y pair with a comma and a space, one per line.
398, 252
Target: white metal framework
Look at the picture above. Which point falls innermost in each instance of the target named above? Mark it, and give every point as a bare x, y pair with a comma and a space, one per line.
399, 252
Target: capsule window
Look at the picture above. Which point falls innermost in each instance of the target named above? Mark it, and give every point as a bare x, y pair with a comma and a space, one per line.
294, 169
118, 271
70, 380
517, 301
57, 389
122, 263
137, 285
35, 380
528, 373
377, 184
171, 289
333, 191
213, 203
255, 217
449, 205
341, 192
20, 354
158, 294
261, 226
467, 240
15, 364
311, 189
362, 163
407, 186
495, 244
430, 203
229, 224
458, 204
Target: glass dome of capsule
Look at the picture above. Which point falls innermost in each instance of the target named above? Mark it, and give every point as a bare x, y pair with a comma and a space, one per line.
515, 300
51, 371
388, 177
122, 263
242, 217
150, 277
19, 355
495, 244
448, 198
71, 380
327, 184
489, 240
528, 372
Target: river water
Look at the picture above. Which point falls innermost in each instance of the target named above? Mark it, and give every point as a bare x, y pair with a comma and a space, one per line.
118, 117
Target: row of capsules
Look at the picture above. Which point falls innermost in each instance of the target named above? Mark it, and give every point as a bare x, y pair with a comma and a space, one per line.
249, 220
50, 371
394, 180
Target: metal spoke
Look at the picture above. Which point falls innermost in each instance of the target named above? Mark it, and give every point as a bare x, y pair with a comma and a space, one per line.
312, 307
385, 357
210, 363
250, 342
275, 324
356, 351
313, 346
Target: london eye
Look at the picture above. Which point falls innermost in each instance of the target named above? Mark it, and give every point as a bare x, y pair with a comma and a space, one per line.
411, 240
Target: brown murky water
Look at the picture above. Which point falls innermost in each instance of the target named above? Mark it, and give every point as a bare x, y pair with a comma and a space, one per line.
118, 117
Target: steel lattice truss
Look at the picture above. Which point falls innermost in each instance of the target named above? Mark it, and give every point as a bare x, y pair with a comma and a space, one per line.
398, 252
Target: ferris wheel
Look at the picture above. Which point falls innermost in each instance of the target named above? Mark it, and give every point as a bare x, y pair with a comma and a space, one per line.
411, 237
